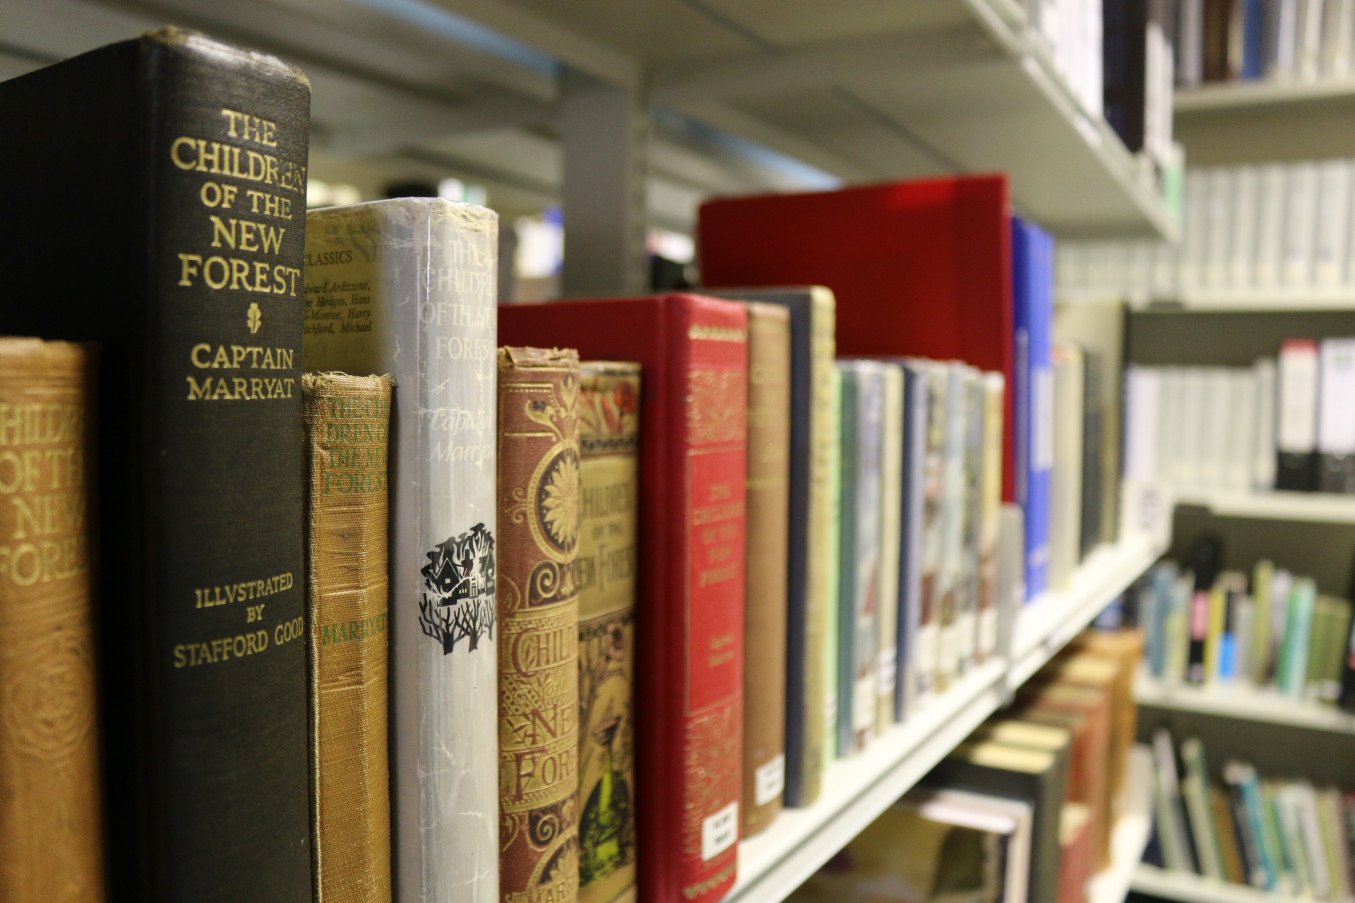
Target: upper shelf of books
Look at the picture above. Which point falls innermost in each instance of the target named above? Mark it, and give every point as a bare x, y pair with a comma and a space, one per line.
865, 92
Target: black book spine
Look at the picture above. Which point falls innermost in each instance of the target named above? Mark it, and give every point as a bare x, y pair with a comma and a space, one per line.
176, 167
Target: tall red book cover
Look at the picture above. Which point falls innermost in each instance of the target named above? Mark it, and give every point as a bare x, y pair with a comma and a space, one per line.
693, 355
919, 268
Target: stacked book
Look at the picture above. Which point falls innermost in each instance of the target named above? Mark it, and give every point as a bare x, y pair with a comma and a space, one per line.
1286, 836
1269, 628
1275, 227
1023, 809
405, 596
1283, 423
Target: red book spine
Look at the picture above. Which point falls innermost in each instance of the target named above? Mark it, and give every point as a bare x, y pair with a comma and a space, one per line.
689, 613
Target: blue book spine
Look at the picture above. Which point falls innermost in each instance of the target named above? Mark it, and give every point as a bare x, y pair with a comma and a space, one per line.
1253, 38
1032, 284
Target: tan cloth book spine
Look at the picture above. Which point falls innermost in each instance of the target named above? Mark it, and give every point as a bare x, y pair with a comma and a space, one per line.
768, 503
50, 822
347, 422
538, 623
609, 440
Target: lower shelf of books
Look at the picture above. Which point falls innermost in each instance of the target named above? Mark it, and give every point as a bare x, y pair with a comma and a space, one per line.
1130, 836
1189, 888
1246, 703
857, 789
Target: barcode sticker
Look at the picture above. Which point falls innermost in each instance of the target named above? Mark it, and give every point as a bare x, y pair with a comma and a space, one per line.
719, 831
769, 780
987, 630
887, 670
863, 704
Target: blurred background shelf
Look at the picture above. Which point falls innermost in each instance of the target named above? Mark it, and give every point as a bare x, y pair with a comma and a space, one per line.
1293, 506
1265, 121
1187, 888
1245, 703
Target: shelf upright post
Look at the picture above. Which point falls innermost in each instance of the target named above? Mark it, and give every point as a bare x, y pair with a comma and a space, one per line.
604, 131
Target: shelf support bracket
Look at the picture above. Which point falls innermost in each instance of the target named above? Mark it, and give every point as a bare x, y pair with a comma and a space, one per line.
605, 132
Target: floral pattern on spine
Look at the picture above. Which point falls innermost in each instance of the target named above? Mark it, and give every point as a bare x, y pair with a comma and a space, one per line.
538, 620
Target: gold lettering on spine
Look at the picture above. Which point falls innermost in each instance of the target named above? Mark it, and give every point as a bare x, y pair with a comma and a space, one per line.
538, 621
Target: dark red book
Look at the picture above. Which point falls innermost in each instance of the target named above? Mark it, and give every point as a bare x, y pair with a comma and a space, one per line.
693, 355
919, 268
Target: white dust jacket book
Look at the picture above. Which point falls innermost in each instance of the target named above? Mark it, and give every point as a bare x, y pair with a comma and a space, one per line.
407, 287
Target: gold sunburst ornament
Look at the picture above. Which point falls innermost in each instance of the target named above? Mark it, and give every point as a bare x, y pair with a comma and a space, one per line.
560, 501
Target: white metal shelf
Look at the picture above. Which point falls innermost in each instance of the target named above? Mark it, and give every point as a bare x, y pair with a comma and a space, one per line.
1276, 301
858, 788
870, 92
1191, 888
1130, 835
1235, 123
1244, 703
1243, 96
1321, 507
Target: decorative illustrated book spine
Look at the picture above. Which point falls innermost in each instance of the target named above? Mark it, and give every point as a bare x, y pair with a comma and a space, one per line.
50, 820
407, 287
891, 491
190, 281
609, 441
859, 600
990, 512
767, 512
972, 508
538, 623
950, 571
347, 422
927, 645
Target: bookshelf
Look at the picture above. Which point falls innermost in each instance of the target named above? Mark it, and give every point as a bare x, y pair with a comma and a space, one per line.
1245, 703
857, 789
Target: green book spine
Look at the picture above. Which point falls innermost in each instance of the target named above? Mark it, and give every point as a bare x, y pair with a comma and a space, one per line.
1262, 575
1298, 629
1195, 789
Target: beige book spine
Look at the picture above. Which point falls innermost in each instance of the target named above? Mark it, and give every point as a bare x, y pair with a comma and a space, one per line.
50, 822
347, 422
609, 441
768, 504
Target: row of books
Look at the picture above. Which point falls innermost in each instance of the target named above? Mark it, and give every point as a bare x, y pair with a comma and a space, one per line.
1282, 835
1257, 428
1117, 60
1269, 628
209, 293
1244, 228
1022, 810
1279, 40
